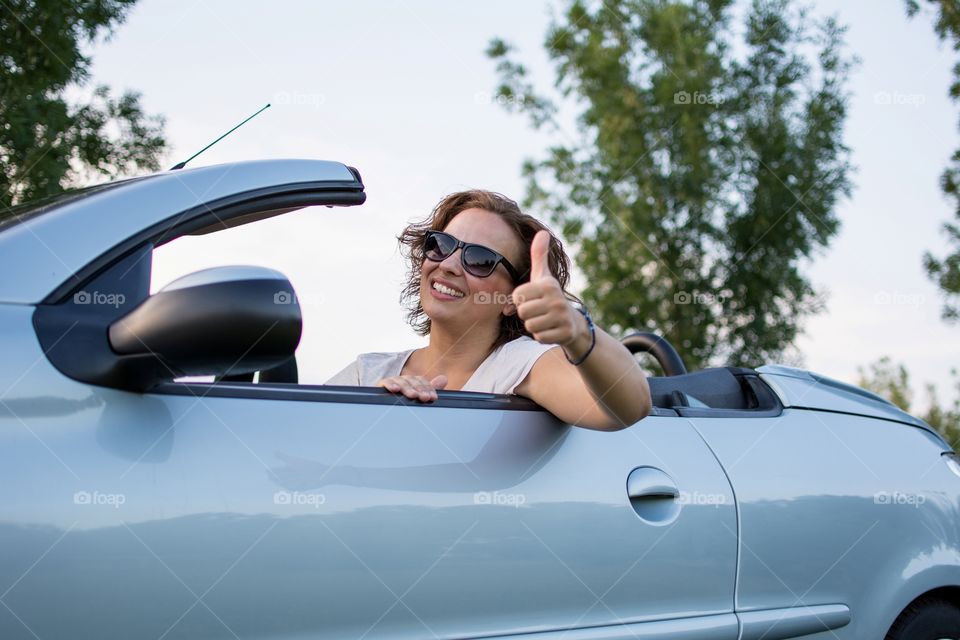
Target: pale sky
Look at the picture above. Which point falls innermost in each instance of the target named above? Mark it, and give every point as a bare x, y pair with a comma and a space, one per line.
401, 90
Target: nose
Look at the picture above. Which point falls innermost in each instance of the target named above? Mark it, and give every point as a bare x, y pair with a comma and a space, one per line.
452, 263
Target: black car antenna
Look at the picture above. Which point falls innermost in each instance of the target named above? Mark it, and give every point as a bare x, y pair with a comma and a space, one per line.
181, 165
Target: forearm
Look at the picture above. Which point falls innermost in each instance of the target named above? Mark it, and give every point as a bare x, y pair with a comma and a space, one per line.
613, 377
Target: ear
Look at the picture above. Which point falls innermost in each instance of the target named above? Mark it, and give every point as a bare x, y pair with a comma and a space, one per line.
510, 308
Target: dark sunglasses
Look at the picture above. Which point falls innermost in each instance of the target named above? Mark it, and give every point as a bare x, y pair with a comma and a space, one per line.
477, 260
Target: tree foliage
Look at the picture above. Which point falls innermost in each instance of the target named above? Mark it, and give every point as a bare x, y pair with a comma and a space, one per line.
892, 382
697, 182
945, 272
48, 141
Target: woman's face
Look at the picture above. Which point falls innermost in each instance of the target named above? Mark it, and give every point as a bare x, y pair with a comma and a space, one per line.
483, 299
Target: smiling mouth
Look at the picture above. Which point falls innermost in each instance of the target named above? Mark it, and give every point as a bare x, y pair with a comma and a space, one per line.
447, 290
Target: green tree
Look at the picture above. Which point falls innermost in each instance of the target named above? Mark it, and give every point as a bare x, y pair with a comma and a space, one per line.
697, 181
945, 272
47, 142
892, 382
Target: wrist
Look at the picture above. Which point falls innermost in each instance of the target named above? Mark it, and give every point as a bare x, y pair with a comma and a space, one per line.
580, 347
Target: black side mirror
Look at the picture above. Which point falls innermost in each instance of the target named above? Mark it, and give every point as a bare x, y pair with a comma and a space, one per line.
220, 321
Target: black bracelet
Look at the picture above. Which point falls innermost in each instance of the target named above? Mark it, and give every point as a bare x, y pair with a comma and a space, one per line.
593, 338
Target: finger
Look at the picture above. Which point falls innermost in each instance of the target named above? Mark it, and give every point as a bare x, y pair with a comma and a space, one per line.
439, 382
539, 249
541, 324
533, 308
408, 388
405, 386
424, 388
390, 384
526, 292
413, 387
422, 383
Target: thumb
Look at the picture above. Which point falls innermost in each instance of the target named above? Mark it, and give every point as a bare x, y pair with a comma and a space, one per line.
539, 250
439, 382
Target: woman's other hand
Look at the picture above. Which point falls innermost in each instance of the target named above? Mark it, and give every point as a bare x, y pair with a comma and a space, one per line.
415, 387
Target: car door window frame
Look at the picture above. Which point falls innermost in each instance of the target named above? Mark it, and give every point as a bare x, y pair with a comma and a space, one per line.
356, 395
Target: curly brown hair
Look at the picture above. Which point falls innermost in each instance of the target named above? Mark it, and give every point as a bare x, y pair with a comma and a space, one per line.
525, 226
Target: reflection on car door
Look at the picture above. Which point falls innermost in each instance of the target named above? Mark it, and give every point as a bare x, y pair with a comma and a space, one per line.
295, 512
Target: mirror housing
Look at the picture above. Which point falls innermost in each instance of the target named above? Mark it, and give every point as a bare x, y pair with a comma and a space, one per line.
219, 321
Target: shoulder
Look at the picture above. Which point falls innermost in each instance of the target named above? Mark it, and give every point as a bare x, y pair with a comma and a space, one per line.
521, 347
509, 364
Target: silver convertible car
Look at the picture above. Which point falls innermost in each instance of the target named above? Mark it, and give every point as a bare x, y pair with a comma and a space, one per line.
139, 502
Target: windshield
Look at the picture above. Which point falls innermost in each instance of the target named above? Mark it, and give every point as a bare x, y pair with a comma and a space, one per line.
15, 215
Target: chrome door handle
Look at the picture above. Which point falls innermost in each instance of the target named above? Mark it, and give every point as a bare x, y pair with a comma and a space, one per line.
653, 495
650, 482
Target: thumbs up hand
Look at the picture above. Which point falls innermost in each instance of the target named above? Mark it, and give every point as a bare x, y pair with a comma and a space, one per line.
546, 313
539, 252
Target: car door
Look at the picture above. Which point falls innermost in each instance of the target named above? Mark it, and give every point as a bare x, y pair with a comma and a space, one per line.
294, 511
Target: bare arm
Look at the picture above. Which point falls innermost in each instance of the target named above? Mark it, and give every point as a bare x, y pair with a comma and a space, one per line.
608, 390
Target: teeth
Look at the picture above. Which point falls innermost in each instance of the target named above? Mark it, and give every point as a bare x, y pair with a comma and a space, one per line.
447, 290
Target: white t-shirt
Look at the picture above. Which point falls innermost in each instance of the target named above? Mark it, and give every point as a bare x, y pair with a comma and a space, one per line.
501, 372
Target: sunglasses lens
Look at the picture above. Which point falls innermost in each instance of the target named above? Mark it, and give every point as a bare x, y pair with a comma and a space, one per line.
479, 261
438, 246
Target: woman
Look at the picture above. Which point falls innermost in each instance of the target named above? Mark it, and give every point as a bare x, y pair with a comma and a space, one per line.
487, 283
